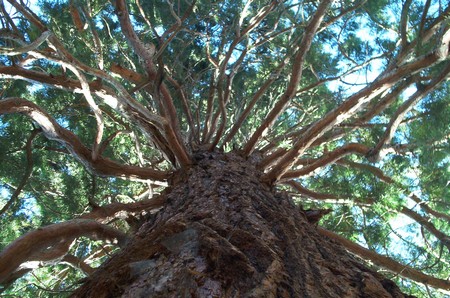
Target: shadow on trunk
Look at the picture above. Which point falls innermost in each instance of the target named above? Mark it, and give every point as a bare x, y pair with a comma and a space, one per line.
224, 233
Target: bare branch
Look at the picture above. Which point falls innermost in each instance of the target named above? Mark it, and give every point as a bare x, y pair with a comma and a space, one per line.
327, 159
147, 52
324, 197
372, 169
26, 48
261, 91
388, 263
426, 208
150, 124
424, 222
52, 130
31, 245
349, 108
106, 213
297, 70
404, 109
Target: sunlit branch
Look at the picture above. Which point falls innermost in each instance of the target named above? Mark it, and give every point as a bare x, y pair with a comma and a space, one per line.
28, 47
30, 246
120, 100
404, 23
388, 263
52, 130
240, 35
427, 224
27, 174
380, 105
385, 81
426, 208
104, 214
405, 108
328, 158
148, 123
324, 197
296, 74
88, 95
437, 24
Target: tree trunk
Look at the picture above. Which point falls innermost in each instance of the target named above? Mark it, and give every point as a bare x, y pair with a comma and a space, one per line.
223, 233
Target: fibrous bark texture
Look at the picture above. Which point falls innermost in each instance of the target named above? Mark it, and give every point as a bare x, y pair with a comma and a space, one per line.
224, 233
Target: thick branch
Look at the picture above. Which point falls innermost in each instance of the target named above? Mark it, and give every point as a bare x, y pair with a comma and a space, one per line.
426, 208
29, 246
52, 130
404, 109
327, 159
326, 197
28, 47
349, 108
106, 213
388, 263
424, 222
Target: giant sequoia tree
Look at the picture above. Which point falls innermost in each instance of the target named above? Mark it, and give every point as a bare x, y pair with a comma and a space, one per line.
224, 148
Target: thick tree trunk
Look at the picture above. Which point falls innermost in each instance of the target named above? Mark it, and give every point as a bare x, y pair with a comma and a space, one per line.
223, 233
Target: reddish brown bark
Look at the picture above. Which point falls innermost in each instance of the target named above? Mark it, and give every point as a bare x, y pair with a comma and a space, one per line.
224, 233
51, 242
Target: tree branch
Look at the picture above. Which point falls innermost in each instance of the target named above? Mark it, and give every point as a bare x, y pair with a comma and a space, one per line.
27, 174
349, 108
327, 159
426, 208
297, 70
397, 118
146, 52
325, 197
52, 130
106, 213
29, 246
388, 263
424, 222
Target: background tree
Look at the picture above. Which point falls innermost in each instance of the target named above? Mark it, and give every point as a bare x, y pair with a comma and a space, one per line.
343, 105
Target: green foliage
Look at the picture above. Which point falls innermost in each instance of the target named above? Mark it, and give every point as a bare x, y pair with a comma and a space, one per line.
345, 56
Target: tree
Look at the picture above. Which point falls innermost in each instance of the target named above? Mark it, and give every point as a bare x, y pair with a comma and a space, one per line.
232, 148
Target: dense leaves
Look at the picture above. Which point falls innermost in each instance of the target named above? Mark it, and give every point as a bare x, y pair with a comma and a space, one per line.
346, 103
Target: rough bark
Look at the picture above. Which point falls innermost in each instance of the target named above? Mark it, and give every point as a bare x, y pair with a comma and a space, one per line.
224, 233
